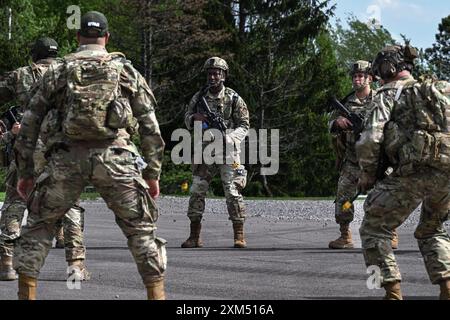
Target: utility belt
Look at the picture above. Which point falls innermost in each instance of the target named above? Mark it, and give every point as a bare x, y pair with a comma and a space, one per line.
70, 145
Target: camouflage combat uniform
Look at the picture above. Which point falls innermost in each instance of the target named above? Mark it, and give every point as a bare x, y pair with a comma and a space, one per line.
110, 165
344, 145
410, 121
233, 176
20, 85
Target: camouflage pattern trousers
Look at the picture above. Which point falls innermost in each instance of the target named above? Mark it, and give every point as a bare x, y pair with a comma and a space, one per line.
233, 182
390, 203
346, 190
72, 223
12, 215
114, 173
73, 230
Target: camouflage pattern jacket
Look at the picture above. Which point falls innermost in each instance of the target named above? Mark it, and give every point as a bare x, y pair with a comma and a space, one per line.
20, 85
406, 121
50, 97
344, 141
236, 114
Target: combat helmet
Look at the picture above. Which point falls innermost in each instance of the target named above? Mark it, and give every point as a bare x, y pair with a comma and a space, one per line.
361, 66
44, 48
393, 59
216, 62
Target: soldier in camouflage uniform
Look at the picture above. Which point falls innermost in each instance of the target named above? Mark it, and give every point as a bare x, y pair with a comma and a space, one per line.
19, 85
232, 108
92, 97
344, 140
409, 123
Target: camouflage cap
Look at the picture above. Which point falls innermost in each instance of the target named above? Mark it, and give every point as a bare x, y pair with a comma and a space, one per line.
44, 47
361, 66
215, 62
93, 25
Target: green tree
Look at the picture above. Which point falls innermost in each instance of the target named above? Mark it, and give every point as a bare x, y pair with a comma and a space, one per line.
359, 41
438, 55
285, 70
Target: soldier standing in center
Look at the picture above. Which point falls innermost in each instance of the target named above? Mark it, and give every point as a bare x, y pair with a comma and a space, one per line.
344, 140
95, 95
233, 109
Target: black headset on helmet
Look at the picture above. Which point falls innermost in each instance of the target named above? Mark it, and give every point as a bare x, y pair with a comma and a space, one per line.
394, 59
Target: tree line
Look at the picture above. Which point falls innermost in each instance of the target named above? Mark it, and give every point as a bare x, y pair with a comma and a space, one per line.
286, 60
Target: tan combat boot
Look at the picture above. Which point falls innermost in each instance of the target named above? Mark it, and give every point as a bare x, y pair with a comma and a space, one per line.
344, 241
194, 240
27, 287
80, 270
393, 291
155, 290
59, 238
394, 241
239, 240
7, 272
445, 290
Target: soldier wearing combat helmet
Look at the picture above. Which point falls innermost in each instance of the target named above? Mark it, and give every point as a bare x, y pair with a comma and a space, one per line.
409, 124
344, 139
233, 112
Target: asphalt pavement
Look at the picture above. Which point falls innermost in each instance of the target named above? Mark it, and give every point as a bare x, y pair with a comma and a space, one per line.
287, 257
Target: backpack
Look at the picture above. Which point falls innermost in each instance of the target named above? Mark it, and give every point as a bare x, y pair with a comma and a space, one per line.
428, 143
93, 85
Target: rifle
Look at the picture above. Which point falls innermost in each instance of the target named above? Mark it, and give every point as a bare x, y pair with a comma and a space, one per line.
12, 115
356, 120
214, 119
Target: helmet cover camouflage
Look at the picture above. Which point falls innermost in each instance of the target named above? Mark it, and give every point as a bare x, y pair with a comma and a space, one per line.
361, 66
215, 63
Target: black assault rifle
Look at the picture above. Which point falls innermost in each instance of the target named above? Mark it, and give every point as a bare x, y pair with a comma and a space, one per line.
214, 120
356, 120
10, 116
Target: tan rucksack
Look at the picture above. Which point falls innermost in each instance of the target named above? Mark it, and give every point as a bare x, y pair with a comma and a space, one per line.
92, 92
429, 141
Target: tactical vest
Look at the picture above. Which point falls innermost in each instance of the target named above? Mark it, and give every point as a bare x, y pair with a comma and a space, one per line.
225, 107
26, 85
30, 78
418, 133
343, 142
93, 107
